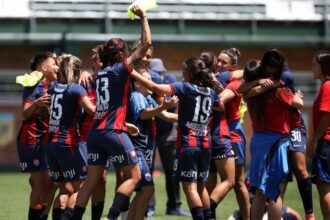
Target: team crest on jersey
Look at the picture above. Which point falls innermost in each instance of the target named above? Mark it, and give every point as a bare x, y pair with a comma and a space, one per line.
132, 154
84, 168
147, 176
36, 162
60, 87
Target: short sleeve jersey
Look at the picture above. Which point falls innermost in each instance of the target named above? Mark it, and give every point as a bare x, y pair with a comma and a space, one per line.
112, 96
86, 120
277, 103
35, 129
232, 107
146, 137
321, 105
224, 77
65, 112
195, 105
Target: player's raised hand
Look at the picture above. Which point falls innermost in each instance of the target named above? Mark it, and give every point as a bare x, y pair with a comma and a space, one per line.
137, 11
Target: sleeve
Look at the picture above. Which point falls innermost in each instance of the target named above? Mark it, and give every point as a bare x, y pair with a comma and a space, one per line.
177, 89
126, 67
78, 91
285, 96
216, 99
29, 95
152, 102
138, 104
287, 78
325, 97
224, 78
233, 86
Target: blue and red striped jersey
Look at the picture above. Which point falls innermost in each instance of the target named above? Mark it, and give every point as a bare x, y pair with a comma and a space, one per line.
112, 96
64, 112
86, 120
35, 129
194, 109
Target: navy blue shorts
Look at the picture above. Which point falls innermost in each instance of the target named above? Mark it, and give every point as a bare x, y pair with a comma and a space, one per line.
238, 142
66, 162
297, 140
32, 158
192, 165
112, 144
269, 162
321, 162
221, 148
83, 149
146, 177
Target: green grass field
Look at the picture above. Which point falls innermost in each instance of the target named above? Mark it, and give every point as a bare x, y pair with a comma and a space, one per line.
14, 193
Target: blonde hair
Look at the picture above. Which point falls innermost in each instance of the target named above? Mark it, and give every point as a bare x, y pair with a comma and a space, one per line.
70, 67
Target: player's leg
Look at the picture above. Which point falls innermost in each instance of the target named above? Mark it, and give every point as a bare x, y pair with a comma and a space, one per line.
241, 192
324, 196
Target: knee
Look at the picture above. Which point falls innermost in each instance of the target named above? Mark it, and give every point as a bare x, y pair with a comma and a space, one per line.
300, 171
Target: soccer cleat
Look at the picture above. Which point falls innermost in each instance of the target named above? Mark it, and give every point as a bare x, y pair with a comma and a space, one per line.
177, 212
150, 212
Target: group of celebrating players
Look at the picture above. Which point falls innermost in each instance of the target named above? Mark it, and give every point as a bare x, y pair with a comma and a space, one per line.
73, 131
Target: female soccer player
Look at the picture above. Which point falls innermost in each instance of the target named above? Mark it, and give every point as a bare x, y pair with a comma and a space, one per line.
67, 165
193, 147
319, 148
33, 133
273, 64
229, 77
108, 136
142, 111
222, 154
269, 144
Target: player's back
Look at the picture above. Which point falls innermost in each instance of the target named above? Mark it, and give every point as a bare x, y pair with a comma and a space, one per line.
112, 96
64, 112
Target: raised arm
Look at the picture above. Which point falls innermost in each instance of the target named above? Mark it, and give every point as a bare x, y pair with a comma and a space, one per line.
142, 48
158, 88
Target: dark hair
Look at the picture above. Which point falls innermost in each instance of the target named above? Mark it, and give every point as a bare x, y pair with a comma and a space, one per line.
208, 59
233, 53
109, 53
323, 59
252, 71
275, 59
198, 73
38, 59
95, 52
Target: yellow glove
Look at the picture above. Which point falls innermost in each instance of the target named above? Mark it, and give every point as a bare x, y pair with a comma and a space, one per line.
29, 80
242, 110
145, 5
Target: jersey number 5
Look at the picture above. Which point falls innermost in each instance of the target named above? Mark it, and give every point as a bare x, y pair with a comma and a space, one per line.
204, 105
